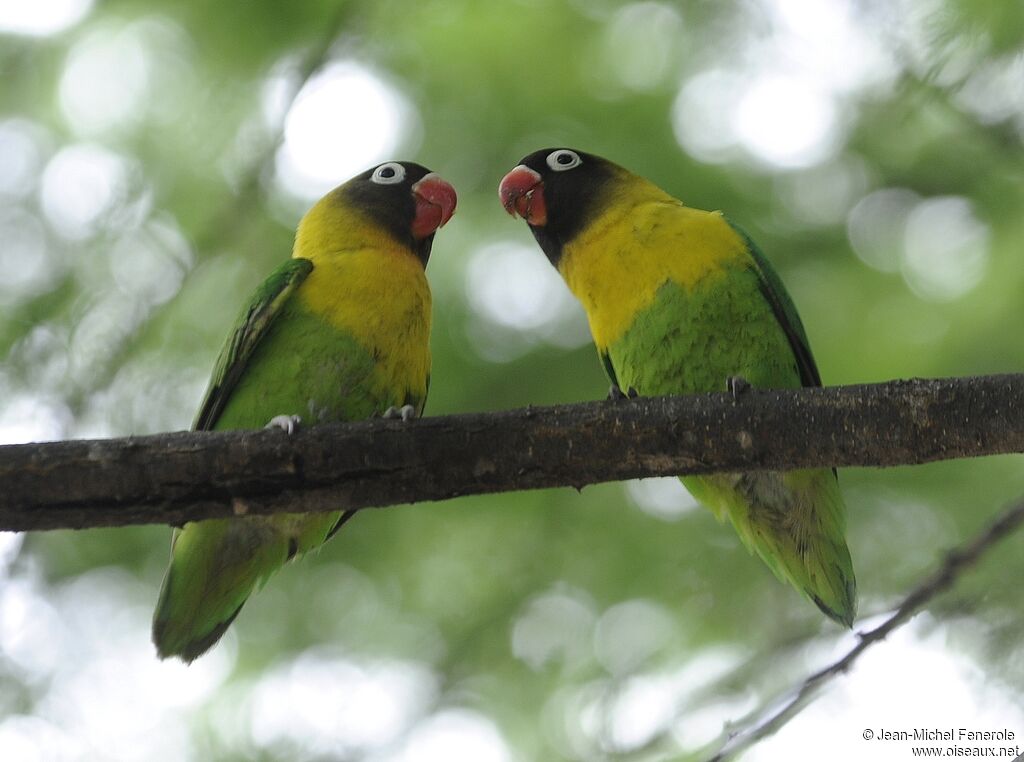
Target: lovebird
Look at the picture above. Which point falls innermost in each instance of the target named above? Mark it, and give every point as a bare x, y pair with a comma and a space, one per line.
681, 301
339, 332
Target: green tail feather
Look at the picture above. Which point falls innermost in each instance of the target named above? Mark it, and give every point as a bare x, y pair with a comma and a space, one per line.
215, 566
794, 522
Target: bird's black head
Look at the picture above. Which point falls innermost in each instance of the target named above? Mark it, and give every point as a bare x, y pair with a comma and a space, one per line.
558, 191
404, 198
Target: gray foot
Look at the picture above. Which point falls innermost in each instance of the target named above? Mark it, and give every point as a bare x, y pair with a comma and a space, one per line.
405, 412
736, 386
289, 424
615, 393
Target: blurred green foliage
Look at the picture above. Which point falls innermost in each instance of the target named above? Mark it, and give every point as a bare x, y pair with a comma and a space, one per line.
874, 150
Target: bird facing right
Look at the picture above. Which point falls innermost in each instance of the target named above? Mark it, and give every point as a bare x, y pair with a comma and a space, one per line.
339, 332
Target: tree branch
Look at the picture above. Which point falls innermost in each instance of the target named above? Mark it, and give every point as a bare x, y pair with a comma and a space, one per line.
184, 476
958, 560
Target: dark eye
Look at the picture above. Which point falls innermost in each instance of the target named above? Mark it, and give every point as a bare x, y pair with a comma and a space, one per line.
388, 174
563, 159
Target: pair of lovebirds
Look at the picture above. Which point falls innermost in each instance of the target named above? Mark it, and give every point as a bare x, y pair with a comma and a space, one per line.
679, 302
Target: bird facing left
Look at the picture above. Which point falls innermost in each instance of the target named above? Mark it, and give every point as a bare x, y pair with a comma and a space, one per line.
339, 332
680, 301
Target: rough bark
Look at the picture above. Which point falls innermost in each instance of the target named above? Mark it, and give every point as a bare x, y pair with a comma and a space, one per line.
183, 476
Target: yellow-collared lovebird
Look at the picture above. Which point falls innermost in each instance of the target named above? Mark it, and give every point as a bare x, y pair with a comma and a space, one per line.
679, 302
337, 333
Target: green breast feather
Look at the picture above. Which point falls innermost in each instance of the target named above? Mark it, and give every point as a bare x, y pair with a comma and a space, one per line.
691, 340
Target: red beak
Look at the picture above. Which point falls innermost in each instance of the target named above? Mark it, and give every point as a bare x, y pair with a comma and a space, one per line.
522, 192
435, 205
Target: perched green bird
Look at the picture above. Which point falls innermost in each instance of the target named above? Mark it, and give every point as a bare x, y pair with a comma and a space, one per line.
338, 333
679, 302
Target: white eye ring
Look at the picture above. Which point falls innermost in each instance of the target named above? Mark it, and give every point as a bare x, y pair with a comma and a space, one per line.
391, 173
563, 159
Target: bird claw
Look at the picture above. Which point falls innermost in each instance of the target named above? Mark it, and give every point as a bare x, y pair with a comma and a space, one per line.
289, 424
615, 393
405, 412
736, 386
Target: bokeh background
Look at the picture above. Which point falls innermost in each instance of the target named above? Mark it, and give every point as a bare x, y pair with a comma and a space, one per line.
154, 159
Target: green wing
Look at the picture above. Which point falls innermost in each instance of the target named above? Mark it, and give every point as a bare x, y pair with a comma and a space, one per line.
785, 312
252, 327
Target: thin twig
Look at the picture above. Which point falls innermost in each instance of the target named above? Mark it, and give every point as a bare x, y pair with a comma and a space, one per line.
766, 722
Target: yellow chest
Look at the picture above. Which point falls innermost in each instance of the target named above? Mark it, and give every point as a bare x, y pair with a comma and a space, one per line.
616, 266
382, 300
